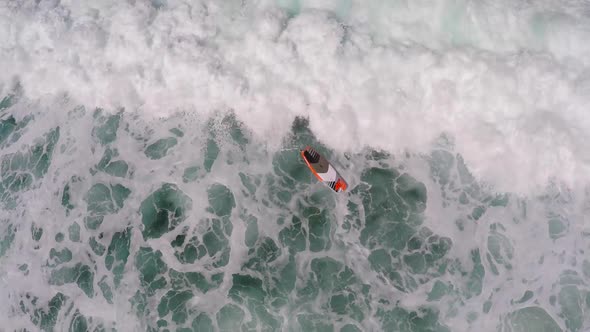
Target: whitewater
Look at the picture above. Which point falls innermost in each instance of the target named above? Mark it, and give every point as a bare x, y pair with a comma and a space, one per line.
150, 176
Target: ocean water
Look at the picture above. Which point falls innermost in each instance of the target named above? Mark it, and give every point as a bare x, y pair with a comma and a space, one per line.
150, 176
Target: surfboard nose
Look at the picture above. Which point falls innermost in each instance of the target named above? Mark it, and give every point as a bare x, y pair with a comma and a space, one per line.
311, 156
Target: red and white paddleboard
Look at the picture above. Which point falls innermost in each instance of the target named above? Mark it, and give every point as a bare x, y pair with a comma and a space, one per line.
323, 170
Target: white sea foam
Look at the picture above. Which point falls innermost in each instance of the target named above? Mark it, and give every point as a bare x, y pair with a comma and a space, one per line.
514, 95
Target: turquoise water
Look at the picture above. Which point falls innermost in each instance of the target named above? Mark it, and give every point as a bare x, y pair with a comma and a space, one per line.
150, 176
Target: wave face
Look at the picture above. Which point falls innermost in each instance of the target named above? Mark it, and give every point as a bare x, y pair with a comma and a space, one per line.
150, 176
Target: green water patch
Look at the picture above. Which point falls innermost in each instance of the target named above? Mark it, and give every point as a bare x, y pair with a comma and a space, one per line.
265, 252
343, 9
539, 24
173, 303
500, 250
314, 322
401, 249
57, 257
441, 165
525, 297
284, 282
466, 179
455, 23
586, 268
213, 242
19, 170
36, 232
105, 126
291, 171
106, 289
323, 197
194, 281
294, 236
110, 164
280, 190
11, 99
530, 319
266, 257
7, 236
319, 224
230, 318
390, 215
350, 328
180, 288
439, 289
251, 292
74, 232
216, 240
399, 319
66, 197
346, 295
44, 316
458, 185
163, 210
407, 270
557, 226
80, 274
557, 203
59, 237
152, 269
139, 303
160, 148
235, 138
211, 153
226, 130
24, 268
288, 165
11, 129
352, 219
191, 174
221, 200
249, 183
190, 251
572, 300
292, 7
96, 245
236, 130
252, 233
79, 323
202, 323
102, 200
177, 132
475, 277
231, 128
117, 254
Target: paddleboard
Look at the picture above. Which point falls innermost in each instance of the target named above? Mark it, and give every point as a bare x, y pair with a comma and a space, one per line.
323, 170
